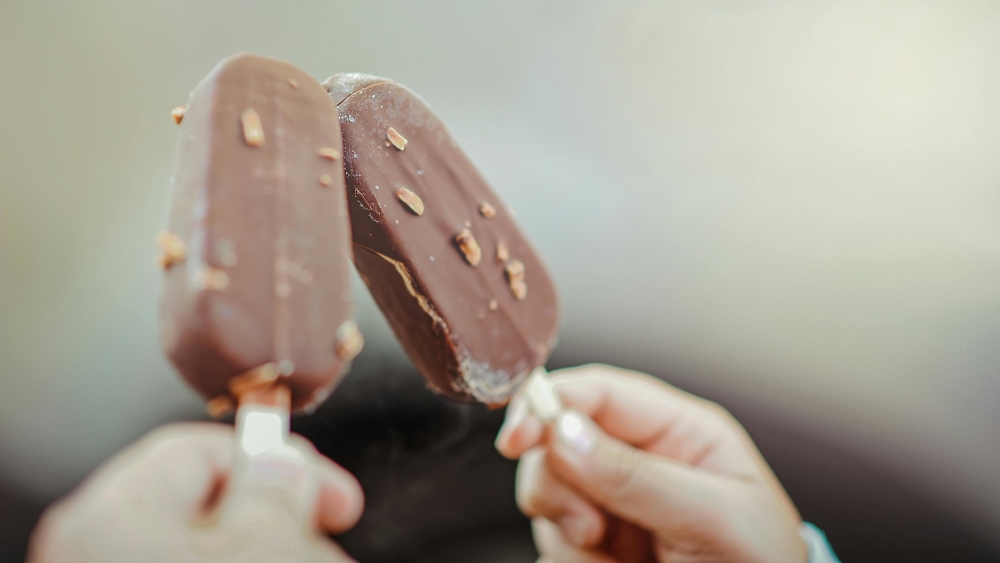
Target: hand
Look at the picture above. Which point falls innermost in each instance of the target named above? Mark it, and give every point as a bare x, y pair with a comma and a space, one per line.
167, 498
637, 471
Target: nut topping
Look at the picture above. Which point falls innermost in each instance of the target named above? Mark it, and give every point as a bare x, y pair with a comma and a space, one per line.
519, 289
219, 406
326, 179
515, 278
293, 83
253, 132
349, 341
502, 252
213, 279
470, 248
411, 200
396, 139
329, 153
515, 271
178, 114
487, 210
259, 376
494, 305
172, 249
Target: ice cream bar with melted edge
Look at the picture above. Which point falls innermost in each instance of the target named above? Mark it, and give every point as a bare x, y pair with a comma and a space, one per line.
257, 252
464, 291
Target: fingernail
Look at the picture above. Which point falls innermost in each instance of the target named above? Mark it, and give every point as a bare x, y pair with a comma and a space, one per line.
517, 411
575, 433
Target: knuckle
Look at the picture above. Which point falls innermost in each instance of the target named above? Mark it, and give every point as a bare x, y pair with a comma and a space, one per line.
166, 440
531, 502
528, 493
592, 372
724, 420
627, 476
165, 432
526, 501
718, 411
175, 432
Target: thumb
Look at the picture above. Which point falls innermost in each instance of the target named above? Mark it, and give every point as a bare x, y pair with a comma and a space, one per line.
648, 490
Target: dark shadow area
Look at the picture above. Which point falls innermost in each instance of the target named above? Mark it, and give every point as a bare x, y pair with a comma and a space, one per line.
428, 467
17, 518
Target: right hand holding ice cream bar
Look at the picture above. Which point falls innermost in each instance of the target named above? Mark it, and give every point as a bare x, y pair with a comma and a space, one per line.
619, 466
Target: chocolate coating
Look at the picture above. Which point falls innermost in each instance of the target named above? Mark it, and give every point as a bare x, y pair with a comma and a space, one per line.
446, 295
264, 222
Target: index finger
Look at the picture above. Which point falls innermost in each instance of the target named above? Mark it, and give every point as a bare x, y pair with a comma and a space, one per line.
639, 410
634, 407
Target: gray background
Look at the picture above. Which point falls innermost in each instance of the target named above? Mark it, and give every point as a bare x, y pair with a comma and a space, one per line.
793, 203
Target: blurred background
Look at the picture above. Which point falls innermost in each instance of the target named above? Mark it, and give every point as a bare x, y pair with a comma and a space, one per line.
789, 207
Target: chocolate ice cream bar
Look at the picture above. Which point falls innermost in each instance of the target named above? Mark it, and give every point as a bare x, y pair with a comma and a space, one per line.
257, 287
465, 293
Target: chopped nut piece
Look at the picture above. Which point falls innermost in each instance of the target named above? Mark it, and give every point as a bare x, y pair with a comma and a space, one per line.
329, 153
259, 376
172, 249
326, 179
470, 248
219, 406
213, 279
293, 83
494, 305
519, 289
388, 144
502, 253
396, 139
411, 200
253, 132
487, 210
515, 271
515, 277
178, 114
349, 341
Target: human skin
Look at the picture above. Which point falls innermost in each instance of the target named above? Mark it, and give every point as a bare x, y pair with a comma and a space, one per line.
169, 497
637, 471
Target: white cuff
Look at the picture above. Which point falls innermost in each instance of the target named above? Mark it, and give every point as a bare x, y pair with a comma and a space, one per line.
819, 548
